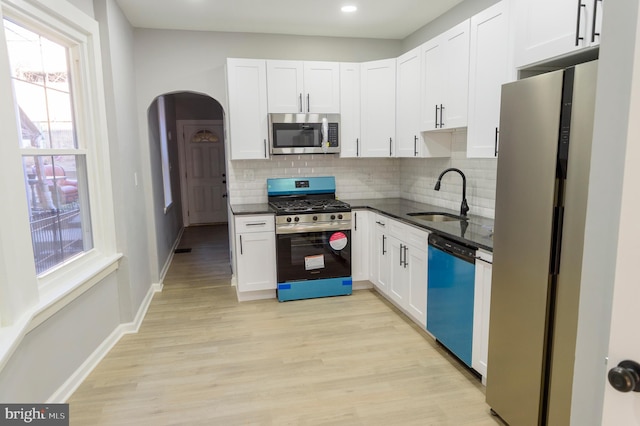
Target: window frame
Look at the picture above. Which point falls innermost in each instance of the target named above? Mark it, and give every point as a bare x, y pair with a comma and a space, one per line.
39, 297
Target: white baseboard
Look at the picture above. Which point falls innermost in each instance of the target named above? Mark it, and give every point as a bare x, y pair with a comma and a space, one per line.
67, 389
167, 263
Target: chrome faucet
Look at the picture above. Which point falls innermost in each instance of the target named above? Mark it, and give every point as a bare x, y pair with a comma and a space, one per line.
464, 207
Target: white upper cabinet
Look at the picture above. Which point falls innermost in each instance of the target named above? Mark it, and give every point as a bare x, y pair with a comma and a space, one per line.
548, 29
408, 138
247, 94
350, 110
445, 79
378, 107
488, 70
301, 87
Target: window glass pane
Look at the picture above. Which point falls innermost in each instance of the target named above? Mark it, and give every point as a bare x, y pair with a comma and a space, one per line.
40, 75
58, 208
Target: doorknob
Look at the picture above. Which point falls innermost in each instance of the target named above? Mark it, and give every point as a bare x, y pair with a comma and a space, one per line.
625, 377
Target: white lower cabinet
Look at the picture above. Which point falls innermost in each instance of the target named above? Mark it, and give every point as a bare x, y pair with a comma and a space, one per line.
255, 246
399, 266
481, 306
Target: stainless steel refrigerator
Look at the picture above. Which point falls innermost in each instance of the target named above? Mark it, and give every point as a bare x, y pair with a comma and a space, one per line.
546, 125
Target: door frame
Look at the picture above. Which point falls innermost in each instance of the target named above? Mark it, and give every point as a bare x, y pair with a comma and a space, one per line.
184, 189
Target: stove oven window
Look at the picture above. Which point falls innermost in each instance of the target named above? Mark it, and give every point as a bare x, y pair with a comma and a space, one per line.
314, 255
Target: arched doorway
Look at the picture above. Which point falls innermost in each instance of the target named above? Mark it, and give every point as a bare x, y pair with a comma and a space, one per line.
195, 127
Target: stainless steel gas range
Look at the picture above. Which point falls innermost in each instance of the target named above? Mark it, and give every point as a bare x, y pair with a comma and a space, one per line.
313, 238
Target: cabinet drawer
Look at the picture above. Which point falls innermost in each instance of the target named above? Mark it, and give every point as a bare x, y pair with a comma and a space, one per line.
416, 237
254, 223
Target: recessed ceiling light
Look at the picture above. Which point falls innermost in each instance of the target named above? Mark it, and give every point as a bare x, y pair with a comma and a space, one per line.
348, 9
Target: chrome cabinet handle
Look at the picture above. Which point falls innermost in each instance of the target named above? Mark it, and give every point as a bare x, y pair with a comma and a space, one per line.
441, 111
383, 249
401, 251
390, 145
415, 146
495, 144
256, 224
265, 148
241, 244
357, 147
436, 116
300, 101
308, 103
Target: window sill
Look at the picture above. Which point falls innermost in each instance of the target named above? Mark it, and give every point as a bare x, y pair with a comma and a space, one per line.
52, 300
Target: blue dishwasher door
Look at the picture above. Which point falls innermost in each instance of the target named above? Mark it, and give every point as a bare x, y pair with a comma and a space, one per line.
450, 300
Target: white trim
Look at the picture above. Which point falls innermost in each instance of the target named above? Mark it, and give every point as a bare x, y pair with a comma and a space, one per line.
67, 389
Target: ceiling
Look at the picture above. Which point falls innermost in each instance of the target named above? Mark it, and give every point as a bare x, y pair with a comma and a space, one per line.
387, 19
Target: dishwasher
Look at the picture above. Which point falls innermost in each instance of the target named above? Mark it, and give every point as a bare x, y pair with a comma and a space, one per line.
450, 288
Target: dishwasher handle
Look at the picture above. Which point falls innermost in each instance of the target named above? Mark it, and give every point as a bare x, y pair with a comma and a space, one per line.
454, 248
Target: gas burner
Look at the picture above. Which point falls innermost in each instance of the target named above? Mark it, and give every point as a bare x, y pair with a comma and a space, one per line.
309, 205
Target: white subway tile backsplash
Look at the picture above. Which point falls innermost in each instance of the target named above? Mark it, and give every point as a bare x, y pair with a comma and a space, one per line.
410, 178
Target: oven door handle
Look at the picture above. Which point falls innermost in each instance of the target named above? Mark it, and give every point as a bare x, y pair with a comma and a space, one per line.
312, 227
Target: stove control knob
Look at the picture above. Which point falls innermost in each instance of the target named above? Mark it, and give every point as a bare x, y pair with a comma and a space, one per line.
333, 216
288, 219
297, 219
339, 216
315, 218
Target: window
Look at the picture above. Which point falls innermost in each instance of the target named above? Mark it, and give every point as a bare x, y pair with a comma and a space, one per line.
164, 153
52, 148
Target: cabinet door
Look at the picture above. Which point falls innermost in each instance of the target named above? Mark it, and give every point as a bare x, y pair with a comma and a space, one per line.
433, 70
408, 138
417, 278
547, 29
488, 71
378, 107
398, 284
321, 87
380, 256
360, 246
285, 86
350, 110
481, 302
247, 93
256, 254
455, 76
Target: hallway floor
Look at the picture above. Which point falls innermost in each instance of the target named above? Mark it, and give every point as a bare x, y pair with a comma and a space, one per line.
202, 358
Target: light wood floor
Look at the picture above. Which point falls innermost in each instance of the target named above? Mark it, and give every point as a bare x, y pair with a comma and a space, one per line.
202, 358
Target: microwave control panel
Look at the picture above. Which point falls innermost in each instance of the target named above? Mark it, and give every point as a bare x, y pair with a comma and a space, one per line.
332, 137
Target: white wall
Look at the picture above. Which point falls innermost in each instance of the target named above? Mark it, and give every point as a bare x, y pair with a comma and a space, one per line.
615, 74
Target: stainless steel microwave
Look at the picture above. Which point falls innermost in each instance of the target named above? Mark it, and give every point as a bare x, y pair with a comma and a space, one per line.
304, 133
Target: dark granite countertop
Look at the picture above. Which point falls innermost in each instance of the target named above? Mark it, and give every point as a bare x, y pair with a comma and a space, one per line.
258, 208
477, 233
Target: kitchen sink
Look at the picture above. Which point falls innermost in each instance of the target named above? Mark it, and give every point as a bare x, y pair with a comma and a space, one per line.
437, 216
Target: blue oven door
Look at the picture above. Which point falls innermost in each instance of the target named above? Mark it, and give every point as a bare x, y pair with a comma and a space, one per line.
314, 264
